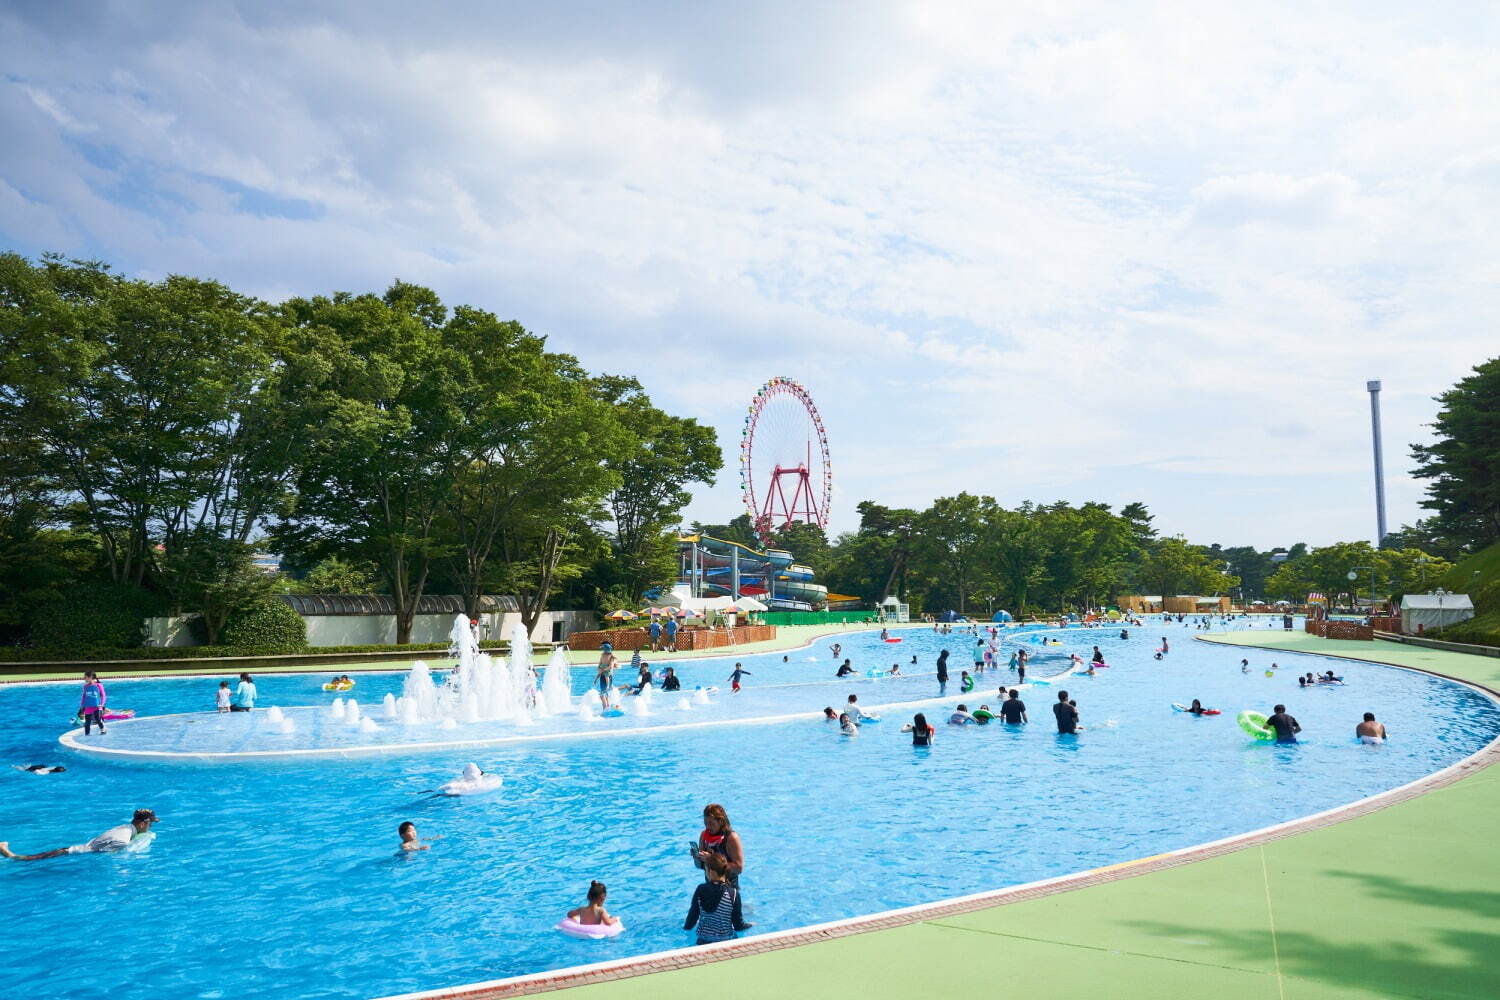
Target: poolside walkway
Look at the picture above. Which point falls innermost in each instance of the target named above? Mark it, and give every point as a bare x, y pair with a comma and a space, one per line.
1402, 902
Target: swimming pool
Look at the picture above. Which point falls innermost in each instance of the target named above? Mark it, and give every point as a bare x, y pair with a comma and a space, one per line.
280, 877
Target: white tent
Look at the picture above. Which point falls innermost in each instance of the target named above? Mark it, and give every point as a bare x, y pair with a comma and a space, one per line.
1434, 610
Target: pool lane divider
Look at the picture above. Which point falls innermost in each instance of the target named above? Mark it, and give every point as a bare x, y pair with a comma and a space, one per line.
71, 739
679, 958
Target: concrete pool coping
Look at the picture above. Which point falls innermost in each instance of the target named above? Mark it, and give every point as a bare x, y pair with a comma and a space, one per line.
1392, 917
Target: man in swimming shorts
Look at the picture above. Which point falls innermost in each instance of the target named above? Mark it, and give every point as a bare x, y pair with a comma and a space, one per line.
1067, 715
1013, 710
1370, 729
116, 838
1285, 725
844, 669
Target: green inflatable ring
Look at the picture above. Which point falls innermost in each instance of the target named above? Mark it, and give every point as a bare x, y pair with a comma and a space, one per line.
982, 716
1254, 724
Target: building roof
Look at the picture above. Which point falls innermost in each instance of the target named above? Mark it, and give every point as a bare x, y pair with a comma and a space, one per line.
309, 605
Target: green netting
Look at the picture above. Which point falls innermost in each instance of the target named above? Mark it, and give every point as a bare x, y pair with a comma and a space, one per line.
815, 617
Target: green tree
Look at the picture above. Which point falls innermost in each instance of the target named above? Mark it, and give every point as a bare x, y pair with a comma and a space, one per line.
375, 390
337, 576
150, 403
953, 542
214, 576
1172, 567
1018, 549
1463, 463
668, 454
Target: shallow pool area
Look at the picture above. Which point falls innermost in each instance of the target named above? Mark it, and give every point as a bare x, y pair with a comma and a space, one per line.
279, 876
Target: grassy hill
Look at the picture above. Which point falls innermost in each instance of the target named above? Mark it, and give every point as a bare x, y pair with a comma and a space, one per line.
1479, 577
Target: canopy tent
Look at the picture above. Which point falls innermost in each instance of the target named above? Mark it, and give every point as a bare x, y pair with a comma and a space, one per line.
707, 605
1434, 610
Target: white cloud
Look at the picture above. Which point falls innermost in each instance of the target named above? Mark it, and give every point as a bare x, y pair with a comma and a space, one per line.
1009, 250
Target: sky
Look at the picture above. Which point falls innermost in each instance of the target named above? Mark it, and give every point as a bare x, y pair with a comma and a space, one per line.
1104, 251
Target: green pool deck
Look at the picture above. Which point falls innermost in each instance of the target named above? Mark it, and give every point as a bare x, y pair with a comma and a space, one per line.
1401, 902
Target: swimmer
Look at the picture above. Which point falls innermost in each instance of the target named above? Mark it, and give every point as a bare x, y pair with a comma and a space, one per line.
670, 681
829, 715
594, 912
961, 717
1124, 634
1244, 666
1164, 647
853, 710
966, 683
1098, 656
1285, 725
114, 839
895, 670
1369, 729
1197, 707
983, 716
922, 734
844, 669
40, 768
409, 840
1158, 654
1329, 678
786, 659
848, 726
837, 649
221, 699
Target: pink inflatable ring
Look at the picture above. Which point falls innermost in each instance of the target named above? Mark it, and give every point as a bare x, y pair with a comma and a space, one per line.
573, 928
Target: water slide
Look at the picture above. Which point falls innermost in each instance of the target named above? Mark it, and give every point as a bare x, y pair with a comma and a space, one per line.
791, 586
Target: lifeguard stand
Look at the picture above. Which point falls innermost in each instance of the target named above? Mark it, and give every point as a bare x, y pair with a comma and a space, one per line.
892, 610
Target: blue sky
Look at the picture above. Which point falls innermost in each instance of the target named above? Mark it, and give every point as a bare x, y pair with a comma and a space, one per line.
1094, 251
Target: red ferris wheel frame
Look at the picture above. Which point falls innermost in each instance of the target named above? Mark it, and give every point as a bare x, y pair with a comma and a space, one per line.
783, 504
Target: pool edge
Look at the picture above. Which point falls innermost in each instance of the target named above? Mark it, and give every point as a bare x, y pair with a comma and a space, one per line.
664, 961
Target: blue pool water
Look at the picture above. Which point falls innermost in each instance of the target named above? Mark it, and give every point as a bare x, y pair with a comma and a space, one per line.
280, 878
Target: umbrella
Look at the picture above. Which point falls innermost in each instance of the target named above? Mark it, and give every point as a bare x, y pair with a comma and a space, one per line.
621, 616
689, 613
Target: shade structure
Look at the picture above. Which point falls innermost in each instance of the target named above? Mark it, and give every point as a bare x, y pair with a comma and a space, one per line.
620, 616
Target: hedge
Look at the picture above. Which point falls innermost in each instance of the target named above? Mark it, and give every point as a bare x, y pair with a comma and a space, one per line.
269, 626
95, 616
20, 655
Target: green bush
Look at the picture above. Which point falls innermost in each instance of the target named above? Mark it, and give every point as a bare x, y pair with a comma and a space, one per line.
95, 616
268, 627
16, 655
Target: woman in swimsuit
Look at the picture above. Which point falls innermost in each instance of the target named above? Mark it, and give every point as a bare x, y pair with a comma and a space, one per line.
922, 734
718, 837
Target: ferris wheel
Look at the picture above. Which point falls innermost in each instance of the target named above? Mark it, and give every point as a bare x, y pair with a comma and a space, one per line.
784, 471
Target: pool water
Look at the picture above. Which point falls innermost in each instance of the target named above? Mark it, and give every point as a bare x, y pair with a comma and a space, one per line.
281, 877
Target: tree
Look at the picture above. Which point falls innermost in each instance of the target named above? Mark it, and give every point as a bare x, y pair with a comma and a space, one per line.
532, 453
953, 542
214, 576
152, 406
1172, 567
375, 391
873, 562
668, 454
1463, 464
1018, 550
337, 576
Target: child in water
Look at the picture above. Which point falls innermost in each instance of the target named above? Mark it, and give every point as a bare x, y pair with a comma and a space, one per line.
594, 912
222, 699
715, 912
734, 678
966, 683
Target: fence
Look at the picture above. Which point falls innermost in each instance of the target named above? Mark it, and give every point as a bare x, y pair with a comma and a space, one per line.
817, 617
626, 639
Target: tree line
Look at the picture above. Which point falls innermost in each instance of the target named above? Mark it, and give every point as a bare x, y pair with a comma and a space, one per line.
969, 554
155, 433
